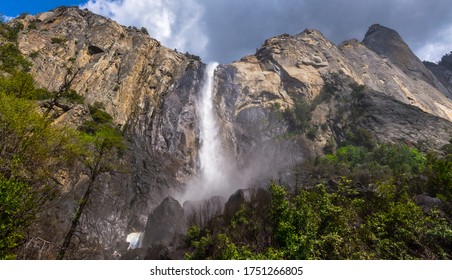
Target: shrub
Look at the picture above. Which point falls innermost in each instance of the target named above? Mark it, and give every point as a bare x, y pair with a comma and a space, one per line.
57, 40
32, 25
34, 54
11, 59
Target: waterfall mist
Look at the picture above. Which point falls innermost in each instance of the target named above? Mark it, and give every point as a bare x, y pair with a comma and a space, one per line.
219, 171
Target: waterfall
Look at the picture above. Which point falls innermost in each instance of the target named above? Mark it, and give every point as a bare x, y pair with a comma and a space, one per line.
211, 179
209, 154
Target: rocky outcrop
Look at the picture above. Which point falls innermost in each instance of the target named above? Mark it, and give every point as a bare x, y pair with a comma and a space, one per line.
260, 197
390, 120
385, 76
442, 73
165, 224
388, 44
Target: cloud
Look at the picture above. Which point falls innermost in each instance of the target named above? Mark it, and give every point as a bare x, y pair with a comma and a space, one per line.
173, 22
6, 18
228, 30
439, 45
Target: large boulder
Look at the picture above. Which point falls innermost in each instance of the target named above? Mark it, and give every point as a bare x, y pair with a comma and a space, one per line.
165, 224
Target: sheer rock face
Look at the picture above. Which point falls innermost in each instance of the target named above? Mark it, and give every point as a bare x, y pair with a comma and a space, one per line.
388, 43
383, 75
152, 91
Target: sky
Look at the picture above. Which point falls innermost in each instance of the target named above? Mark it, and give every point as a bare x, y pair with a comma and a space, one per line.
226, 30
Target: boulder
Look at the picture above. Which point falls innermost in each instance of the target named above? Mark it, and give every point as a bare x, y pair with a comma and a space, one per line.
165, 224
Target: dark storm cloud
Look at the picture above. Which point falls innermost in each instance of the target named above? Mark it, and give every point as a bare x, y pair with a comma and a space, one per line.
237, 27
228, 30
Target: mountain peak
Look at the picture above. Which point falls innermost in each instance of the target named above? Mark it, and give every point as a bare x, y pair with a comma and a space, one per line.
387, 43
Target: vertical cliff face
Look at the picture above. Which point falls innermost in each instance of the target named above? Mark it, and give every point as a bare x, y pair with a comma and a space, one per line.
151, 92
297, 97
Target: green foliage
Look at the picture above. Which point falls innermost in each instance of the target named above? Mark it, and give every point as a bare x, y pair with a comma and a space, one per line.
103, 140
360, 137
11, 32
101, 120
439, 173
73, 97
11, 60
57, 40
329, 90
357, 91
32, 151
298, 115
16, 212
34, 54
367, 165
32, 25
341, 221
101, 116
22, 85
400, 158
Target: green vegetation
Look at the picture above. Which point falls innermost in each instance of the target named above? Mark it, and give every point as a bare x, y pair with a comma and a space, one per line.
34, 54
358, 203
33, 149
32, 25
32, 152
299, 115
11, 60
57, 40
10, 32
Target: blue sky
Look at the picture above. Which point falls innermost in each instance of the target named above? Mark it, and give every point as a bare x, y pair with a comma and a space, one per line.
230, 29
13, 8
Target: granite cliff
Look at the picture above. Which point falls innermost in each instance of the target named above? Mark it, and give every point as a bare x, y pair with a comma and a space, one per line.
297, 97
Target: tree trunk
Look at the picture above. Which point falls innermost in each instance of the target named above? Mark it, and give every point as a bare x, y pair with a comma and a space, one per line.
75, 220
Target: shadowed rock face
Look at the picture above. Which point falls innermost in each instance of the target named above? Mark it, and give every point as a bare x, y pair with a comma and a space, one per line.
442, 73
165, 223
152, 92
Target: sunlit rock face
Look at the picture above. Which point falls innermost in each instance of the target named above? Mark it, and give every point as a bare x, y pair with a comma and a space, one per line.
153, 93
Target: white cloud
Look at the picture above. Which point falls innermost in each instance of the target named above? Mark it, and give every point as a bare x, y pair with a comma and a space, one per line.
228, 30
176, 23
6, 18
437, 47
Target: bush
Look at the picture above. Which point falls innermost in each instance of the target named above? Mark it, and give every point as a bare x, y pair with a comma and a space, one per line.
73, 97
11, 59
32, 25
17, 209
32, 152
11, 33
298, 116
34, 54
57, 40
